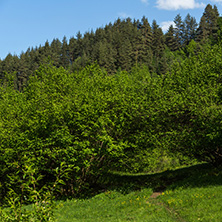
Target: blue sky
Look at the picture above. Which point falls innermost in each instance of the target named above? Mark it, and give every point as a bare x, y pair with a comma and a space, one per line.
29, 23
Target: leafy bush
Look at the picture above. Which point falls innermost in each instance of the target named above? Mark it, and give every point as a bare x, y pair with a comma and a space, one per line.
62, 117
193, 114
43, 199
94, 122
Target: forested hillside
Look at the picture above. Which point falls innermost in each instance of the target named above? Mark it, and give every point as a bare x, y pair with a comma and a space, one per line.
121, 45
125, 98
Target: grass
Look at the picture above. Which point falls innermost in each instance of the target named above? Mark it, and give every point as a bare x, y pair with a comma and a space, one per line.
186, 194
114, 206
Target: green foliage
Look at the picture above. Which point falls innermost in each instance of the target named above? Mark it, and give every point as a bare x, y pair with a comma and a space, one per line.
62, 117
198, 85
43, 206
94, 122
66, 130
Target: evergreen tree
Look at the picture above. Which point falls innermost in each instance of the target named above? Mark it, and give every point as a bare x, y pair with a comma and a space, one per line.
34, 64
123, 43
158, 47
76, 47
215, 23
179, 30
24, 70
88, 43
9, 66
125, 55
147, 38
170, 39
65, 58
208, 26
56, 46
203, 31
190, 26
106, 56
120, 45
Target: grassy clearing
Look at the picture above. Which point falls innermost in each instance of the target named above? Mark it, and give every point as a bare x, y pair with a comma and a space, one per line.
186, 194
198, 197
195, 204
114, 206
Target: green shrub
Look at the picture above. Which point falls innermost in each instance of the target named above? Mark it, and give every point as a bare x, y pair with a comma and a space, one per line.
94, 122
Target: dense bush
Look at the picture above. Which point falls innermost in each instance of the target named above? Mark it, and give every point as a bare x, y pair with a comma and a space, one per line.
193, 114
60, 117
93, 122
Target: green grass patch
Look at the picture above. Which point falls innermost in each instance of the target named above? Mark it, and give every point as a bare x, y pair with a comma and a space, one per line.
195, 204
197, 197
114, 206
187, 194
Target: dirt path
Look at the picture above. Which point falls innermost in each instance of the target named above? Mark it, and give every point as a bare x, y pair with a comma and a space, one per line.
172, 212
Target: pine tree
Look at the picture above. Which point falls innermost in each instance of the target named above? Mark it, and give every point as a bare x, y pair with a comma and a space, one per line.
9, 64
76, 47
147, 38
125, 55
56, 47
65, 54
157, 40
88, 43
208, 26
190, 26
215, 24
106, 56
203, 31
179, 30
170, 39
123, 43
158, 47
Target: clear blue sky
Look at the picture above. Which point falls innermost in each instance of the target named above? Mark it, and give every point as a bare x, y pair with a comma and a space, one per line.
29, 23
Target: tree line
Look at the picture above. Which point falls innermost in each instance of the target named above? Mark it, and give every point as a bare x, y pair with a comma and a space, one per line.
119, 46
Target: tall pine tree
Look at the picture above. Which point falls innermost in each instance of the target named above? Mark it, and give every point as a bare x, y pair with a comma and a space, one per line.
158, 47
170, 39
208, 26
190, 27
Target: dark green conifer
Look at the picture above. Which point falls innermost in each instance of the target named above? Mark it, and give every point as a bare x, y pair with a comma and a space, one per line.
190, 27
147, 38
65, 58
202, 31
208, 26
170, 39
179, 30
56, 47
125, 55
158, 47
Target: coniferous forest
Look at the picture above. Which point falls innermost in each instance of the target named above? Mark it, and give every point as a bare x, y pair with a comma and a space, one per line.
126, 97
119, 46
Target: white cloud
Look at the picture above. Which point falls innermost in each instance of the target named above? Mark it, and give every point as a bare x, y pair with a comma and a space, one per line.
179, 4
217, 1
144, 2
123, 15
165, 25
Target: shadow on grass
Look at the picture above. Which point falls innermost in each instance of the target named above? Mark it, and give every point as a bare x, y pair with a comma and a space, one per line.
201, 175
